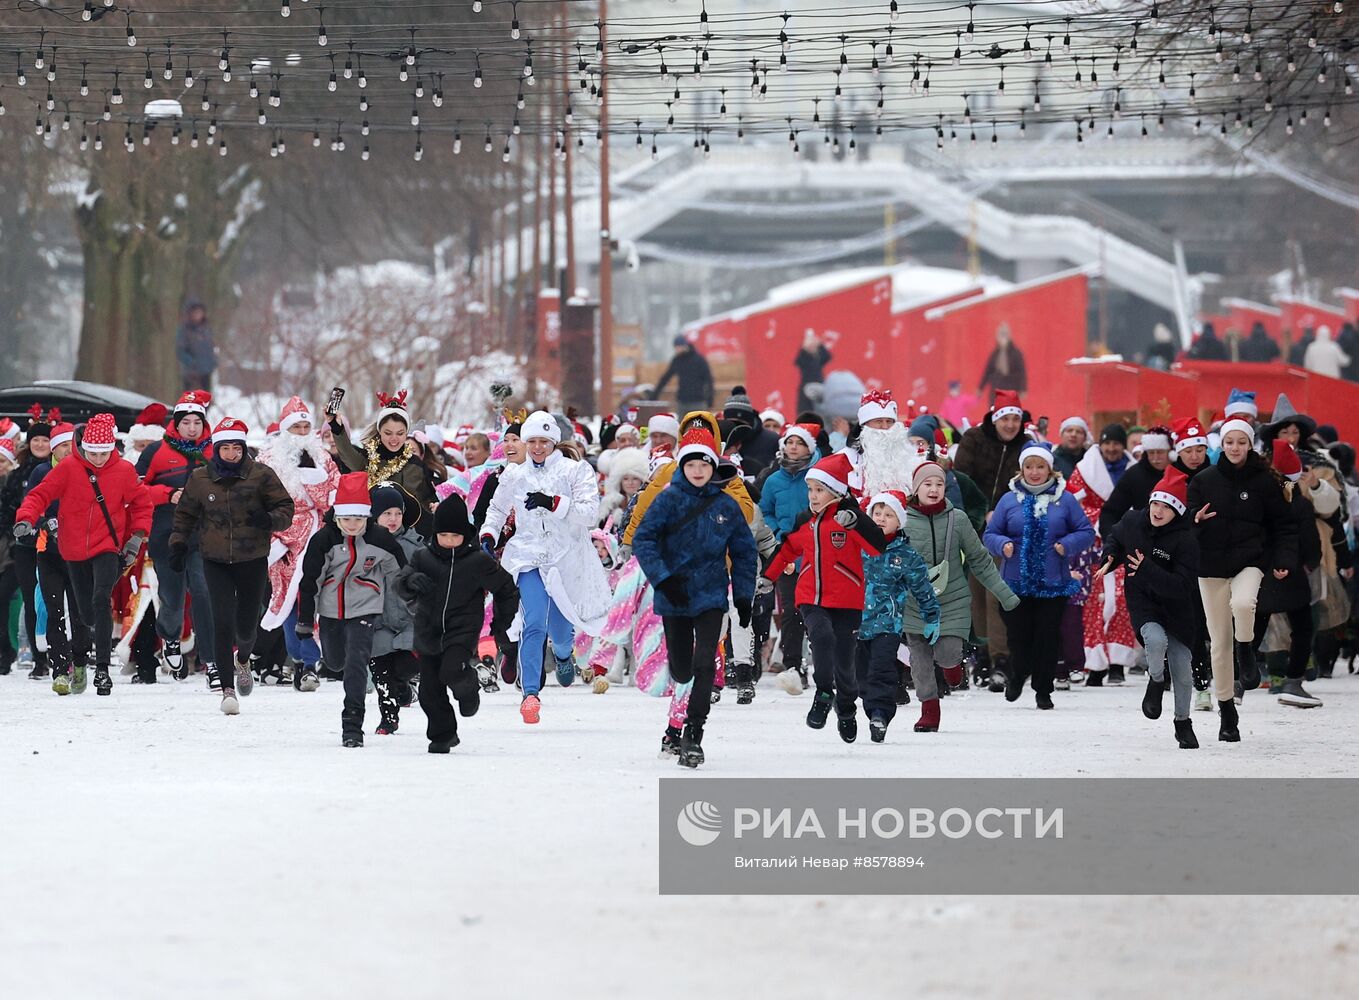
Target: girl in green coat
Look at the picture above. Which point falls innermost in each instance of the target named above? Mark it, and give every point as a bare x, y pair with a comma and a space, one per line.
945, 538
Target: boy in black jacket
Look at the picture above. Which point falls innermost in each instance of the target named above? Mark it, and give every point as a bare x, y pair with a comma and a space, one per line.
446, 584
1161, 552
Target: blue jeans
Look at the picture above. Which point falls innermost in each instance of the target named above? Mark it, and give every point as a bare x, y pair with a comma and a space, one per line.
1164, 649
541, 619
170, 618
305, 650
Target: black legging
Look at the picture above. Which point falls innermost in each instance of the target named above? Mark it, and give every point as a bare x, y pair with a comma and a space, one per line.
92, 583
26, 568
237, 591
791, 630
691, 645
1033, 632
1299, 645
9, 586
58, 595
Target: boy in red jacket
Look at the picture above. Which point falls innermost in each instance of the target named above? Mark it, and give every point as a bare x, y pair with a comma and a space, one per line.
831, 540
102, 522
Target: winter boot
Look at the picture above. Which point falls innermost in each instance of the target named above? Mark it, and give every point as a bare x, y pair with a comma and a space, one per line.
789, 680
41, 670
1249, 669
599, 685
305, 679
929, 716
389, 721
981, 667
354, 740
1227, 722
1043, 700
1014, 687
1238, 692
486, 675
566, 670
470, 701
443, 746
214, 679
1116, 674
1000, 671
79, 679
820, 710
1293, 694
691, 746
848, 725
103, 683
530, 708
61, 680
245, 680
1062, 682
903, 694
7, 658
745, 683
877, 727
230, 704
1095, 679
670, 742
1151, 701
1184, 733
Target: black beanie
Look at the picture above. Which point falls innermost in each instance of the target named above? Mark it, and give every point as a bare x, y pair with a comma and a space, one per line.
516, 428
451, 516
1114, 432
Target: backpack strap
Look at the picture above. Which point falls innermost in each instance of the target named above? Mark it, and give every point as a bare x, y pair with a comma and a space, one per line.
104, 508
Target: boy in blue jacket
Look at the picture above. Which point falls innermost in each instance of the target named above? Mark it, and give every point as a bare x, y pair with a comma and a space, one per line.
888, 578
783, 498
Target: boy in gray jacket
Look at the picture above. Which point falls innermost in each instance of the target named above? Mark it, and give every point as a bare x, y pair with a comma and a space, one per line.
347, 572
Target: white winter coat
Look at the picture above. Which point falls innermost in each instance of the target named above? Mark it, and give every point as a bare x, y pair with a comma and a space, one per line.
1324, 356
555, 542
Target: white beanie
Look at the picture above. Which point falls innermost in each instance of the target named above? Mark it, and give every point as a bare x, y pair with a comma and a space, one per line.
1076, 422
774, 415
540, 424
1237, 424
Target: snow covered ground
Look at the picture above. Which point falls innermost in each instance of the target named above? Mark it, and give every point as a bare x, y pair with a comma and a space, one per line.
154, 848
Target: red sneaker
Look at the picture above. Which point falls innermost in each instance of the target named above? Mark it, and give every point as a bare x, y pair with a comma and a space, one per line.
529, 709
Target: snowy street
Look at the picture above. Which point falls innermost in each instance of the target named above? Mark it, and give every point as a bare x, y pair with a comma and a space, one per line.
154, 848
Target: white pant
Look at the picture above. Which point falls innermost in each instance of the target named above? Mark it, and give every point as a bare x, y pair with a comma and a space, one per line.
742, 639
1229, 608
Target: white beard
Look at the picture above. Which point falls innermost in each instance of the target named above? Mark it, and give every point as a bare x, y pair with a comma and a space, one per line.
284, 454
888, 458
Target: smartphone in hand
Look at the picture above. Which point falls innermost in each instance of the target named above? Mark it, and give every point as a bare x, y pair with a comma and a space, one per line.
333, 404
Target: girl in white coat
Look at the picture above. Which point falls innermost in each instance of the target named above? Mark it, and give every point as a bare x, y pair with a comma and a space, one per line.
562, 586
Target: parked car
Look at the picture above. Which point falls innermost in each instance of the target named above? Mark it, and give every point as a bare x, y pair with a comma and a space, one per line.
77, 401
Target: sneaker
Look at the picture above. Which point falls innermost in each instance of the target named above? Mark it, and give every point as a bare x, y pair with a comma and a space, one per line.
103, 683
79, 679
820, 710
877, 727
230, 704
670, 742
173, 656
39, 672
566, 670
1293, 694
789, 681
530, 708
1062, 683
1203, 701
214, 679
715, 697
306, 680
486, 675
352, 741
388, 725
443, 746
61, 682
182, 674
245, 680
848, 727
997, 682
600, 685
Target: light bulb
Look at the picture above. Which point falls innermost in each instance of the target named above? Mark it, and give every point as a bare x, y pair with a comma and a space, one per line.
476, 6
287, 10
364, 154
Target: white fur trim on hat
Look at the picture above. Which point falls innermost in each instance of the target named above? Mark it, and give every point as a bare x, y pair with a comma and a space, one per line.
774, 415
798, 431
1170, 500
1237, 424
893, 503
697, 451
296, 417
1156, 442
1035, 450
353, 509
540, 424
827, 480
1076, 422
876, 409
664, 423
57, 440
1006, 411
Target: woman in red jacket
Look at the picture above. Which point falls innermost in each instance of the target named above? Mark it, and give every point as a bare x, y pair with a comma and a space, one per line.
831, 540
104, 516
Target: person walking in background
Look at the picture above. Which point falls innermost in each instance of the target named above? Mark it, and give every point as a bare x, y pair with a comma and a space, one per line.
196, 348
693, 378
1005, 367
1161, 353
811, 361
1258, 347
1324, 356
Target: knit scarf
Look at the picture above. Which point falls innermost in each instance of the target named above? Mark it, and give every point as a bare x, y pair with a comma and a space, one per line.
226, 469
1033, 544
191, 450
929, 509
793, 466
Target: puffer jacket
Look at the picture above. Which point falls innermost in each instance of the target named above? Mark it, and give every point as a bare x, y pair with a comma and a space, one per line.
1253, 525
220, 508
928, 534
783, 497
163, 470
692, 531
347, 576
1035, 524
447, 588
990, 462
1165, 588
397, 628
410, 475
13, 491
889, 579
1133, 490
832, 574
1294, 590
82, 532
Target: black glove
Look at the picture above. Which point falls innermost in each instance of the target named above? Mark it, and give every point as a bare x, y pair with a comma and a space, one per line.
675, 590
743, 606
51, 525
544, 500
179, 557
488, 545
420, 583
304, 630
259, 518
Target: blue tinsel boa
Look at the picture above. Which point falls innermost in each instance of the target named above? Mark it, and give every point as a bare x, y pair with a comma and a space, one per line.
1033, 548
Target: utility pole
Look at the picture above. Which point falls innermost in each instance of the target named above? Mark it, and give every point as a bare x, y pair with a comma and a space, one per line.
568, 194
605, 237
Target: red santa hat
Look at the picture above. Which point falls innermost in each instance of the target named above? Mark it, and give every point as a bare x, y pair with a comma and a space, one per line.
664, 423
193, 401
1173, 490
150, 425
101, 432
805, 432
7, 448
295, 412
1188, 432
773, 415
698, 443
1156, 439
1286, 460
833, 473
895, 501
272, 430
352, 498
9, 430
1006, 404
62, 433
229, 430
875, 404
393, 406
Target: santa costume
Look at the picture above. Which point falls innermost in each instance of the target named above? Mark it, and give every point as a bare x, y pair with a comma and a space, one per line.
886, 455
1108, 634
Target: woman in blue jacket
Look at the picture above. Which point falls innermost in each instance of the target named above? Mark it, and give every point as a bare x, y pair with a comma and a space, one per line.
782, 498
694, 546
1038, 529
